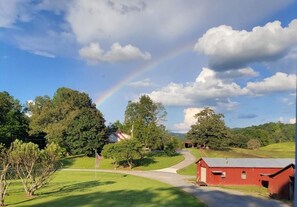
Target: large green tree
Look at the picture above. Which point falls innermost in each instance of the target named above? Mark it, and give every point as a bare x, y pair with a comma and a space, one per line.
71, 120
13, 121
143, 119
209, 130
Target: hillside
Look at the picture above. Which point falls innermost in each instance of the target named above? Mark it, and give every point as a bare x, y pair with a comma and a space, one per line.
279, 150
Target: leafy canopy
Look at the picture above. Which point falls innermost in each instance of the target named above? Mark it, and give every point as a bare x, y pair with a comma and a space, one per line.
13, 121
144, 120
209, 130
71, 120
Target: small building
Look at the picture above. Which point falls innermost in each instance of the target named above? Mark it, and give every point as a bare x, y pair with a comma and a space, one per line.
117, 137
281, 183
237, 171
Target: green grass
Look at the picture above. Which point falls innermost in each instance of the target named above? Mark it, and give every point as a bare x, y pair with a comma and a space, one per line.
191, 169
87, 189
252, 190
279, 150
153, 162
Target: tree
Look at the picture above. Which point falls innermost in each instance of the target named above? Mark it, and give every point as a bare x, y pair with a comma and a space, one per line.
4, 174
209, 130
33, 166
124, 152
13, 121
253, 144
70, 120
86, 132
144, 120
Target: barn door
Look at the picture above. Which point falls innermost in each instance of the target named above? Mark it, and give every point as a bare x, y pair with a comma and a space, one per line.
203, 174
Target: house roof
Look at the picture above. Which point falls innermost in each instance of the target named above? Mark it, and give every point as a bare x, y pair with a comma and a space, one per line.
280, 171
118, 136
248, 162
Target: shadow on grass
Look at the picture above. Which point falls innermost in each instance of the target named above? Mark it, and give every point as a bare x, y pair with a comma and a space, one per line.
146, 161
82, 187
68, 161
68, 189
122, 198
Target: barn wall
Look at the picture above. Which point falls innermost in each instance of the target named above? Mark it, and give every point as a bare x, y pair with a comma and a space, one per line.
279, 185
232, 175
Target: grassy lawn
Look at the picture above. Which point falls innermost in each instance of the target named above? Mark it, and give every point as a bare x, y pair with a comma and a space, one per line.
191, 169
86, 189
153, 162
279, 150
251, 190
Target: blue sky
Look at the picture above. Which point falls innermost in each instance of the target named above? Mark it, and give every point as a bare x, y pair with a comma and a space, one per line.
237, 57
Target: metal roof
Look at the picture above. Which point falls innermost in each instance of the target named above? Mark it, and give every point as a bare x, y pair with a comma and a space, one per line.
249, 162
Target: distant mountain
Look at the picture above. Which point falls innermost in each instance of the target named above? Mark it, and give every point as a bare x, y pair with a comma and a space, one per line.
178, 135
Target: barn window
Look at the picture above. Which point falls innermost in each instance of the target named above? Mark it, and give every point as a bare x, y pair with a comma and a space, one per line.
243, 175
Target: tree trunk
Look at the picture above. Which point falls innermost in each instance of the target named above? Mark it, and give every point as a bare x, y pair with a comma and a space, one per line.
2, 199
30, 193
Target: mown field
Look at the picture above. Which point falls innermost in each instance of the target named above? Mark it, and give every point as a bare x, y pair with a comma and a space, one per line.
89, 189
279, 150
150, 162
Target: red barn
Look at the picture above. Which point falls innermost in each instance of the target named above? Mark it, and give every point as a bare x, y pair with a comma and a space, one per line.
237, 171
280, 184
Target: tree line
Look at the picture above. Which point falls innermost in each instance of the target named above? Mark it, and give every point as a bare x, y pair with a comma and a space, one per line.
210, 131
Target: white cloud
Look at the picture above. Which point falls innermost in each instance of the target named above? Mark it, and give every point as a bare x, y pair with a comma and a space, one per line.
43, 53
189, 120
12, 11
109, 19
228, 48
240, 73
47, 45
205, 88
292, 121
276, 83
286, 120
94, 53
114, 20
227, 105
142, 83
57, 6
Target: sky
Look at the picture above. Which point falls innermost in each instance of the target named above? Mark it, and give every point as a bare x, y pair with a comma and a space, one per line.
237, 57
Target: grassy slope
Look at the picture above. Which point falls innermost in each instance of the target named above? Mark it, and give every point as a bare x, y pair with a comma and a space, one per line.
149, 163
279, 150
86, 189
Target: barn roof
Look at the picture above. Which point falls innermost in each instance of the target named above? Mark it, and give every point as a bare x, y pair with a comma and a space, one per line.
248, 162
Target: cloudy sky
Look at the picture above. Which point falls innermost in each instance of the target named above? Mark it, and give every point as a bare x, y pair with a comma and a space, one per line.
237, 57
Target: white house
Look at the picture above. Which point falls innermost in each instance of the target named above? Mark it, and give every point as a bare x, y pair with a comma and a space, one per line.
118, 136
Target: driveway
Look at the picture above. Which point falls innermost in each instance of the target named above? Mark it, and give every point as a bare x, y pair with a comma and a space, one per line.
211, 196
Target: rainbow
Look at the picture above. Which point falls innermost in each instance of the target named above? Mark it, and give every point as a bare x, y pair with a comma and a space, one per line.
144, 68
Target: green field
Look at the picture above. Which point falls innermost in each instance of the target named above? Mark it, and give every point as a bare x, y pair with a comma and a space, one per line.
153, 162
279, 150
87, 189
